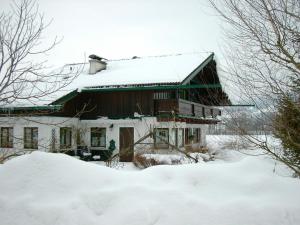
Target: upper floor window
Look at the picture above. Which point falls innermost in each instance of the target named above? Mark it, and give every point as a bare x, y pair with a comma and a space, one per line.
6, 137
65, 137
98, 137
31, 137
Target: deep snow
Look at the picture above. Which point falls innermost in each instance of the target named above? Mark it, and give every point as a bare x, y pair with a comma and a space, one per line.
49, 189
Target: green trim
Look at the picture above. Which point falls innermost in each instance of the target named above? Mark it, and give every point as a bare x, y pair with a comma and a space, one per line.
32, 108
65, 98
159, 87
198, 69
74, 93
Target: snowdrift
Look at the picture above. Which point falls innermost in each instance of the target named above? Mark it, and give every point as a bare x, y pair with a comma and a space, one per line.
55, 189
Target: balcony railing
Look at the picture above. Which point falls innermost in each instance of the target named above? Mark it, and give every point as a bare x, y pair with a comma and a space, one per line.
184, 108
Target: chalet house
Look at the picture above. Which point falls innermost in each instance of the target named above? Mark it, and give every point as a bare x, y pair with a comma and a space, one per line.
122, 106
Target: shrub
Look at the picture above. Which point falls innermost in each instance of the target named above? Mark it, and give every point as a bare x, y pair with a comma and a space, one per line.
143, 161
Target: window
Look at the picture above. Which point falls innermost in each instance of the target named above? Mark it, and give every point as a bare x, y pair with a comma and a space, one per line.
188, 136
174, 137
162, 95
65, 137
197, 135
6, 137
180, 137
161, 138
31, 137
98, 137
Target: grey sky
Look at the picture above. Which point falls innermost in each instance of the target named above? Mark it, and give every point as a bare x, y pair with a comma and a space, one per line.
124, 28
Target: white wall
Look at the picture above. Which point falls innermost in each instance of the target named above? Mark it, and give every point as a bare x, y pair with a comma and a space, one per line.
44, 125
142, 126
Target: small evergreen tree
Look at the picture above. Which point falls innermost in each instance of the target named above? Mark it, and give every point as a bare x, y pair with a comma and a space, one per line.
287, 129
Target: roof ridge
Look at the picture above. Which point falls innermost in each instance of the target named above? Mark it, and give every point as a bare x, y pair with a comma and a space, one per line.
162, 55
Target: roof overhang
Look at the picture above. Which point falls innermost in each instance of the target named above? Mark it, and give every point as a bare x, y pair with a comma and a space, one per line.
74, 93
198, 69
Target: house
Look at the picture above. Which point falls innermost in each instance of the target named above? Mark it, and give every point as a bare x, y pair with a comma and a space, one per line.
123, 106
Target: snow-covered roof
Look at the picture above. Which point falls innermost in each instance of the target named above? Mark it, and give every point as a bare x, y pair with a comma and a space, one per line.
146, 70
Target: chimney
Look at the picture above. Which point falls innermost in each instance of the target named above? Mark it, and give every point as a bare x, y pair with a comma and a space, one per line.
96, 64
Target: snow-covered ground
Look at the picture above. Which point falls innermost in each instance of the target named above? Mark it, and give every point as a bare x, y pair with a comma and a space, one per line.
235, 189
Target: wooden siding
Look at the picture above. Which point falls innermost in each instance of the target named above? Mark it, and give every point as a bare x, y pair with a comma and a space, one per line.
109, 104
125, 104
185, 107
197, 102
165, 106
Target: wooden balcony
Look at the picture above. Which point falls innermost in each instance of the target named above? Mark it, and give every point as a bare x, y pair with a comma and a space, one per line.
184, 109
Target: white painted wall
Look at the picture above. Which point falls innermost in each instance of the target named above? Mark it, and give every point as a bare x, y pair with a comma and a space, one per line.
44, 125
142, 127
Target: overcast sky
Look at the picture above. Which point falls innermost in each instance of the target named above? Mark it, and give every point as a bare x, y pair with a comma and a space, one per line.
125, 28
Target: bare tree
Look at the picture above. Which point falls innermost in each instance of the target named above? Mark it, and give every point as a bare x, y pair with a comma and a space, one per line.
263, 45
24, 75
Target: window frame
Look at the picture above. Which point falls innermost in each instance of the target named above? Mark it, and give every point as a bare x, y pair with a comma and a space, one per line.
9, 138
102, 134
181, 130
161, 145
197, 135
67, 133
174, 136
31, 144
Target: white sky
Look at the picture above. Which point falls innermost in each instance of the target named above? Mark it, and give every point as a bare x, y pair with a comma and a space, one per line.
125, 28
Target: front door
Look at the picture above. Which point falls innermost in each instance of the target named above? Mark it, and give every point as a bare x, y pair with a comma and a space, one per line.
126, 144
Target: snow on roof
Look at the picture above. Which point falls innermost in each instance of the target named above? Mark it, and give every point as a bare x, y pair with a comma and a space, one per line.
164, 69
146, 70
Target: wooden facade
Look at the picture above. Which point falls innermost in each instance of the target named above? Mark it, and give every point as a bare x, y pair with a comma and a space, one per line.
177, 101
109, 104
194, 100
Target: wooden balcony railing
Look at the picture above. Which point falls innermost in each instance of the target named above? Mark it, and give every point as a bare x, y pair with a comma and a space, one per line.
184, 107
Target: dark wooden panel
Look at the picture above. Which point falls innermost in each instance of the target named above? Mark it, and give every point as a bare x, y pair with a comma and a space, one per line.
110, 104
207, 112
165, 106
185, 107
126, 144
198, 110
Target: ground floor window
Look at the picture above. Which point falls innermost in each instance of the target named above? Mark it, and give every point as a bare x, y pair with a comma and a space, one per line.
98, 137
31, 137
180, 137
174, 136
197, 135
65, 135
161, 138
188, 136
177, 137
6, 137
